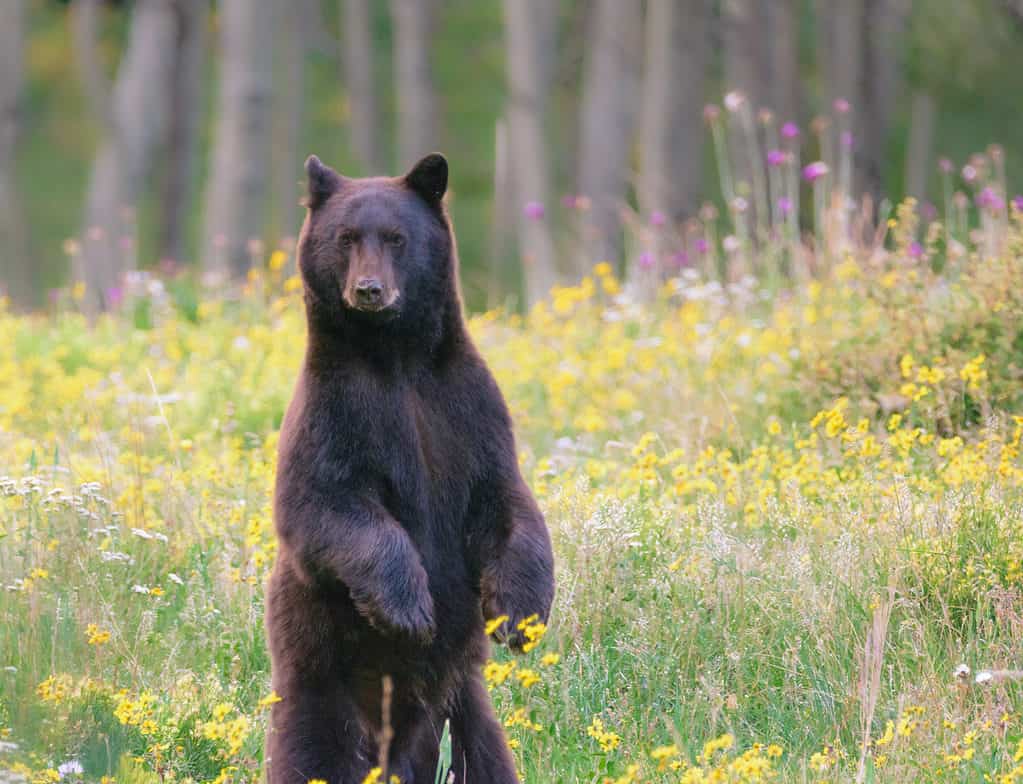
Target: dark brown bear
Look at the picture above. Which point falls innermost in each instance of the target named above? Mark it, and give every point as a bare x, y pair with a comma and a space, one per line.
402, 519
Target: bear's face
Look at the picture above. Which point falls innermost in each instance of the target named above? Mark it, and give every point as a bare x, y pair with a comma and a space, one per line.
377, 251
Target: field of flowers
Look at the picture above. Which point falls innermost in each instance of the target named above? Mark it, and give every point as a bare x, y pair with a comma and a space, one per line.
788, 524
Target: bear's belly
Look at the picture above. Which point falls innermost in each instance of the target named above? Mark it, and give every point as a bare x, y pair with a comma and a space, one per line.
317, 633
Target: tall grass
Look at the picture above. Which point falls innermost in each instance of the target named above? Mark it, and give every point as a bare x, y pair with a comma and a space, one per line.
786, 508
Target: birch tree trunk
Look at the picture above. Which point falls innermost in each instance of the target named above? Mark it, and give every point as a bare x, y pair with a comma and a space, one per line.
923, 117
608, 115
136, 126
237, 187
357, 57
882, 26
185, 118
418, 127
784, 84
671, 124
16, 273
291, 45
527, 143
864, 69
747, 66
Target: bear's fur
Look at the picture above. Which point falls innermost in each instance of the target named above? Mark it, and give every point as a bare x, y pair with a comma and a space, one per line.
402, 519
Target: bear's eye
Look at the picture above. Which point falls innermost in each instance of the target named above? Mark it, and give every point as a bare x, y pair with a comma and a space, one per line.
394, 239
348, 239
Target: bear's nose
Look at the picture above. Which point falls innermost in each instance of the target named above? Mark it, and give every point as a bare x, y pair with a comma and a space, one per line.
368, 292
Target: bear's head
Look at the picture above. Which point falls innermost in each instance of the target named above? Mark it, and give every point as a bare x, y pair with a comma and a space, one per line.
377, 255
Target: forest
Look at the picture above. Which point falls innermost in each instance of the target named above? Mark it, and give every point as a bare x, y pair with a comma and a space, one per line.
748, 274
170, 133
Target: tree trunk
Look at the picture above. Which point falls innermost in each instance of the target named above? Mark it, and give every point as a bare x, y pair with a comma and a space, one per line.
608, 114
882, 26
237, 188
864, 69
357, 57
417, 100
286, 157
137, 124
824, 52
747, 65
185, 118
747, 71
784, 84
923, 116
527, 97
17, 278
671, 130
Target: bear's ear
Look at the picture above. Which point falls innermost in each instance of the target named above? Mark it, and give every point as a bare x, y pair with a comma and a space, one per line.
323, 183
429, 178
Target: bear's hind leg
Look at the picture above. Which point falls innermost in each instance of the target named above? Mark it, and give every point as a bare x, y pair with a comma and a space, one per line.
479, 748
315, 735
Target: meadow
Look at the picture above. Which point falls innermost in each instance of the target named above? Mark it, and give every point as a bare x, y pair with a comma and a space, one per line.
787, 521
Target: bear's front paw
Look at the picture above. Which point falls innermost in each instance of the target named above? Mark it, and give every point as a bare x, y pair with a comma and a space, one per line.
415, 621
409, 616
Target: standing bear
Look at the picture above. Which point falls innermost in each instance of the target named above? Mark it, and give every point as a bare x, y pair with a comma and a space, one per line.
402, 519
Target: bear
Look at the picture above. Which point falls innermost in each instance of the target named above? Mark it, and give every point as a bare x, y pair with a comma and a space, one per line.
405, 529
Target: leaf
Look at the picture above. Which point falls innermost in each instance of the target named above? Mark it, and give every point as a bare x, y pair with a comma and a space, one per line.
444, 763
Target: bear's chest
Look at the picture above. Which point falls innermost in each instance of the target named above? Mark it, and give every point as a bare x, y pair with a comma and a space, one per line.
417, 442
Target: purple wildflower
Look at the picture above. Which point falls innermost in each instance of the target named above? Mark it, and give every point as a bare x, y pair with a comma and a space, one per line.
711, 112
989, 199
784, 206
115, 296
658, 218
847, 139
841, 106
969, 172
776, 157
1017, 202
680, 259
702, 246
533, 210
928, 212
790, 130
646, 259
945, 165
169, 267
814, 171
916, 250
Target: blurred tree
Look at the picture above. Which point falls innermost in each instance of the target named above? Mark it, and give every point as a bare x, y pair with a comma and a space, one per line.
357, 58
671, 125
923, 115
237, 187
746, 48
135, 123
608, 116
294, 23
418, 126
527, 97
17, 277
761, 43
190, 45
784, 87
866, 38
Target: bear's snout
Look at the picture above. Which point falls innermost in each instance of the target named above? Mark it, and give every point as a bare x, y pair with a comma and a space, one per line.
369, 293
